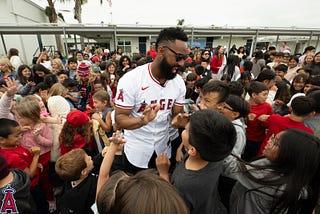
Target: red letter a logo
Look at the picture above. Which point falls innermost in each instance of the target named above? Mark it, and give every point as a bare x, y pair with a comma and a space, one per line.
8, 203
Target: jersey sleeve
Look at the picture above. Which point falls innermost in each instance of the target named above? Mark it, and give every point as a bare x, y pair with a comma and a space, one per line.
126, 92
182, 92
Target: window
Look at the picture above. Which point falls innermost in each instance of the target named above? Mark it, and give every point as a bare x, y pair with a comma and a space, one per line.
125, 45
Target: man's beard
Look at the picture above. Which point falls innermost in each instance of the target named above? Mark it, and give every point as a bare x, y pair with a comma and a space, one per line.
166, 69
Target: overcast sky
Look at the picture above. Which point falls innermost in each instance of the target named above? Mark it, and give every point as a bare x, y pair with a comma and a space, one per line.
236, 13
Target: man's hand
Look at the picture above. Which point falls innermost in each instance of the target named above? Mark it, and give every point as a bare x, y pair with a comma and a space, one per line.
150, 113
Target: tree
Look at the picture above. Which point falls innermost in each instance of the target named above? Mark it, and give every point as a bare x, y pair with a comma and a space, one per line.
180, 22
50, 11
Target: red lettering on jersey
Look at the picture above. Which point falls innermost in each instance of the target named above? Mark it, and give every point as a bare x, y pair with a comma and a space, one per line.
8, 203
142, 107
162, 104
153, 102
120, 96
170, 102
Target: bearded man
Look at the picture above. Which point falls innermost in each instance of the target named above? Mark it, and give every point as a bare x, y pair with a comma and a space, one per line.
147, 98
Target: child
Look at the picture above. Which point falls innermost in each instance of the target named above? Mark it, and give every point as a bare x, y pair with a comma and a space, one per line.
25, 77
84, 87
267, 77
281, 98
75, 132
21, 158
314, 121
75, 169
281, 71
103, 128
301, 108
235, 109
37, 133
145, 192
208, 138
281, 181
72, 97
258, 93
14, 185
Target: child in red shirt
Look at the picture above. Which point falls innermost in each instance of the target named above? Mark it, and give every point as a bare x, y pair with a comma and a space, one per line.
302, 108
22, 158
75, 132
255, 132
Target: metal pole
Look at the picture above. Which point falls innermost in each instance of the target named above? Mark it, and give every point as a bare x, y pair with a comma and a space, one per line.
311, 34
316, 46
75, 41
4, 45
230, 38
254, 43
115, 37
40, 42
65, 41
277, 41
192, 36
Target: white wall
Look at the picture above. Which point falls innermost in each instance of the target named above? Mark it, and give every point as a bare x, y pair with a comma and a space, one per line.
14, 12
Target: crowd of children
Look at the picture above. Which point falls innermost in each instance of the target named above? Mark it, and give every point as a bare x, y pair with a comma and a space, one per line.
249, 144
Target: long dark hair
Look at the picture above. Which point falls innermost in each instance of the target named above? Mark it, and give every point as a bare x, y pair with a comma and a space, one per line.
228, 70
298, 169
23, 80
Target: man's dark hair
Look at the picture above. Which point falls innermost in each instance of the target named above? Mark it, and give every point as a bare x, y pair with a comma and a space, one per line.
171, 34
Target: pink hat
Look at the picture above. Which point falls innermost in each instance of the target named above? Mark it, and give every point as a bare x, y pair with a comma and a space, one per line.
77, 118
83, 70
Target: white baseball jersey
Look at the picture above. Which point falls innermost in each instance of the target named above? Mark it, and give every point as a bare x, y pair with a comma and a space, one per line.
137, 89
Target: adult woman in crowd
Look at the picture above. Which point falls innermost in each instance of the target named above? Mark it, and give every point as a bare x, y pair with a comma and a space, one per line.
124, 65
57, 66
58, 55
285, 180
217, 60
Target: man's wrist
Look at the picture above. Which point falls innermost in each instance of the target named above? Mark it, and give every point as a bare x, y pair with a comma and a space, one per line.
142, 121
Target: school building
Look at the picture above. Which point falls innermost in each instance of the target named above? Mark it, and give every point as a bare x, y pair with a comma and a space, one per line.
24, 26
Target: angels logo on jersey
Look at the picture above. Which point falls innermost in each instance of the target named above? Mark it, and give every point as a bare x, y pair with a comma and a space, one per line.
143, 106
8, 203
120, 96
